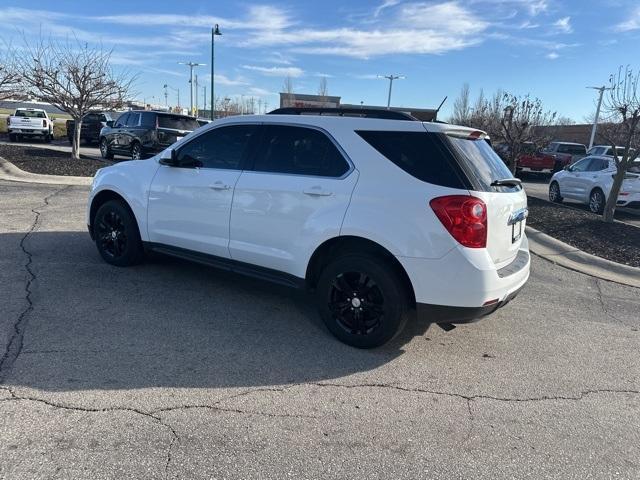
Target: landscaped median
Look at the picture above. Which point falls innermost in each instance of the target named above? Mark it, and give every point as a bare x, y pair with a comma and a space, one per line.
45, 161
581, 241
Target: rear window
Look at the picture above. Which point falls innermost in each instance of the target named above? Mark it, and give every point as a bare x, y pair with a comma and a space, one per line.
177, 122
481, 164
422, 155
572, 149
29, 113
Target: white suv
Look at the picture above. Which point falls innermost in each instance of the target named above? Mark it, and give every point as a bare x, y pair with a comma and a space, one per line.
376, 216
590, 180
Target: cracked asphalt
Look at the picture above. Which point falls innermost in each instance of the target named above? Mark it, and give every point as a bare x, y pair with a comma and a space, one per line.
174, 370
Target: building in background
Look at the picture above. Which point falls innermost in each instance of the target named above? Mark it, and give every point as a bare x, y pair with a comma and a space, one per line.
301, 100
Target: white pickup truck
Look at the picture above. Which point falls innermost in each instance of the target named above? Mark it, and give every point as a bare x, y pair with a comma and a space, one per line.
30, 122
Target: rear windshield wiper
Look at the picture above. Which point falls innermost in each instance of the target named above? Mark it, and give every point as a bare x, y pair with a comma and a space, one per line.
507, 182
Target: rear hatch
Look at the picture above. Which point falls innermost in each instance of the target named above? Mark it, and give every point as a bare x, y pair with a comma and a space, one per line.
172, 128
492, 182
28, 120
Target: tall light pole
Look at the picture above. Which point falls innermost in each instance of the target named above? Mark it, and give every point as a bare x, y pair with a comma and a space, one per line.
204, 102
191, 65
391, 78
196, 100
214, 31
595, 122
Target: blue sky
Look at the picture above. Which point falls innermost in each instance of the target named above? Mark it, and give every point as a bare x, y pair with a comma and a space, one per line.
552, 49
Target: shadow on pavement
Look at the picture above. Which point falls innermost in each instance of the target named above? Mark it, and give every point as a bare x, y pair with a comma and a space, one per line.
168, 323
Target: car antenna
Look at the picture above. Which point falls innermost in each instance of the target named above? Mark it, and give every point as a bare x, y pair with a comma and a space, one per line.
440, 106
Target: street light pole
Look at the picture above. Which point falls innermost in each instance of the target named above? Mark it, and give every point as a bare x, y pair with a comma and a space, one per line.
191, 65
391, 78
595, 121
214, 31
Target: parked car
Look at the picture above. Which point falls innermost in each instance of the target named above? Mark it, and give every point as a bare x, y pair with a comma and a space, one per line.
551, 159
605, 150
375, 216
203, 121
142, 133
590, 180
92, 124
29, 122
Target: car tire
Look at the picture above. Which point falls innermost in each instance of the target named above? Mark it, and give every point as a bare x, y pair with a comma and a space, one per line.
105, 150
12, 137
136, 151
47, 138
597, 201
116, 234
362, 300
554, 193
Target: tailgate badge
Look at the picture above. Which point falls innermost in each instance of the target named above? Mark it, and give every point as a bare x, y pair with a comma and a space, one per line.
518, 216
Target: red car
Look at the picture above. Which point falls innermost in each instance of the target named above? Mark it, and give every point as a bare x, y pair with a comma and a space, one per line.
551, 159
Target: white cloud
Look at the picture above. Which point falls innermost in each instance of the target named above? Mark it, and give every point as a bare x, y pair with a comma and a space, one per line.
552, 55
563, 25
383, 6
260, 92
632, 23
276, 71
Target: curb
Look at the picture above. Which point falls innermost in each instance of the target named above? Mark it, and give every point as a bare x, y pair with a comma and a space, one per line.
570, 257
8, 171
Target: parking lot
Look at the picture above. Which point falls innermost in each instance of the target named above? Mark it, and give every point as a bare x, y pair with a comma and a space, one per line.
175, 370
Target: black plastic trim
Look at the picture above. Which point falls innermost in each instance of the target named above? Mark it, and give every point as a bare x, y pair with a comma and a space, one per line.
518, 263
341, 112
457, 315
263, 273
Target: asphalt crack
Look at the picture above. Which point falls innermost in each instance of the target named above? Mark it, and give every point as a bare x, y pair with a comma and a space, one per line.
14, 346
603, 305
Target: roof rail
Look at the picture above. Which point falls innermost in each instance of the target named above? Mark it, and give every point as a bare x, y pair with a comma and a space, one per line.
345, 112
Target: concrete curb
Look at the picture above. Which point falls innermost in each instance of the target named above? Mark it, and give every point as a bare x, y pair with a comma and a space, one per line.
570, 257
8, 171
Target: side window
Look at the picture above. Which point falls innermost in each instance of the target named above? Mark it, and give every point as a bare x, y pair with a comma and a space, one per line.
223, 147
133, 120
582, 165
148, 120
299, 151
122, 120
421, 154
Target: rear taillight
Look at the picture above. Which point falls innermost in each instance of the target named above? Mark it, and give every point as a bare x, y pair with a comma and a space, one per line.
44, 123
8, 121
464, 217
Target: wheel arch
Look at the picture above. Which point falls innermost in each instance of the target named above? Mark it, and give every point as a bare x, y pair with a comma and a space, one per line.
352, 244
103, 197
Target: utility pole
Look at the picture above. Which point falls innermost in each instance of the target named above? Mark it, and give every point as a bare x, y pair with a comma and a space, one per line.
214, 31
595, 121
391, 78
166, 96
204, 103
191, 65
196, 102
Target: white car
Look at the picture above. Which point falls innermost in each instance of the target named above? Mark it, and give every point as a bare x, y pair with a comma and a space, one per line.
29, 122
376, 216
604, 150
590, 180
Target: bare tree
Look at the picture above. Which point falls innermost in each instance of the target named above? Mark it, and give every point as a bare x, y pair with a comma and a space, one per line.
622, 107
9, 78
287, 86
323, 90
74, 77
462, 107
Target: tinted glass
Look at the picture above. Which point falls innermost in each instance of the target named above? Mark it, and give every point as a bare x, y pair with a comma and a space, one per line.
92, 117
422, 155
300, 151
572, 149
598, 164
481, 164
133, 120
223, 147
581, 166
177, 122
148, 120
122, 120
30, 114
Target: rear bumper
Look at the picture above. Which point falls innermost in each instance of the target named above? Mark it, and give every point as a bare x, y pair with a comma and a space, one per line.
465, 284
457, 315
632, 200
28, 131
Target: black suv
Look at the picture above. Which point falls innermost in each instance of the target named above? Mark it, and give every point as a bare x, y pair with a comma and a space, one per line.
141, 133
92, 123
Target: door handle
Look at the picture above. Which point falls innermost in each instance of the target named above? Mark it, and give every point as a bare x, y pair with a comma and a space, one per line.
317, 192
220, 186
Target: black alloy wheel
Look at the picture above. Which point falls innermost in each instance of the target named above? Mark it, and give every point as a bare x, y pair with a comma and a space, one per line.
554, 192
597, 201
362, 300
116, 234
136, 151
105, 151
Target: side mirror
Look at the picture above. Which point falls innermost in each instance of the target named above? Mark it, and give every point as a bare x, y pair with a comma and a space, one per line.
169, 158
567, 168
109, 123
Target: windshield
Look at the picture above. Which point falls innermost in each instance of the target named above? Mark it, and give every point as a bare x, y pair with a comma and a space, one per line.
572, 149
481, 163
177, 122
29, 113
